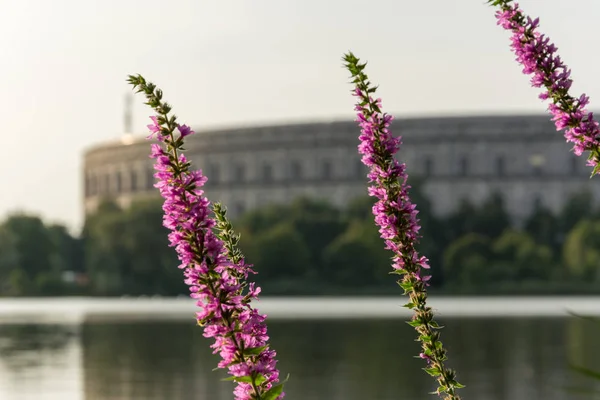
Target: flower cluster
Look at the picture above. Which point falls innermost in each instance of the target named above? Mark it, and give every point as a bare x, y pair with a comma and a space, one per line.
397, 219
214, 268
538, 56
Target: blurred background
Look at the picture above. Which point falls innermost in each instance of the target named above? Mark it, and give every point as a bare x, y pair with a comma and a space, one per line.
506, 209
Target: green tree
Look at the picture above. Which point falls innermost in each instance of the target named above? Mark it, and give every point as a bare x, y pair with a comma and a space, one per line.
279, 253
460, 222
578, 207
581, 251
69, 249
33, 256
466, 260
542, 225
491, 217
517, 257
360, 208
106, 257
153, 264
13, 281
433, 235
264, 218
317, 223
32, 242
127, 252
357, 257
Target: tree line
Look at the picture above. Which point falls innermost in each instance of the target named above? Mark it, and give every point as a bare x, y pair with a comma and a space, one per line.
310, 247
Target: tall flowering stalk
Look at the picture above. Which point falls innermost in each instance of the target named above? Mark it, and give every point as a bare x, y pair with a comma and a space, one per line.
538, 57
214, 268
399, 226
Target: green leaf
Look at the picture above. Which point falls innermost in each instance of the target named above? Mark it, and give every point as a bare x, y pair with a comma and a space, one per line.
287, 378
254, 351
586, 371
441, 389
432, 371
407, 286
498, 2
595, 171
584, 317
245, 379
260, 379
273, 393
425, 338
414, 323
579, 390
435, 325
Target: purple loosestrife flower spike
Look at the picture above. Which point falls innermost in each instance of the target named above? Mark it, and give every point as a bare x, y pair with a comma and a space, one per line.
538, 57
398, 224
214, 268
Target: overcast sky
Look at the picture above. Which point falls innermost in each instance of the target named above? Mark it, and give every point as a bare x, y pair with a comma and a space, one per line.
63, 65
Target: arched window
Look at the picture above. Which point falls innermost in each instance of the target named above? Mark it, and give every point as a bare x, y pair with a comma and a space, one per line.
267, 172
106, 184
361, 169
537, 162
150, 179
213, 173
326, 169
118, 182
537, 202
239, 173
428, 166
295, 170
133, 184
500, 166
463, 167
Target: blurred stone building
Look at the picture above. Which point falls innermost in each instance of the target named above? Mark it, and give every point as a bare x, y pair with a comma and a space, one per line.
522, 157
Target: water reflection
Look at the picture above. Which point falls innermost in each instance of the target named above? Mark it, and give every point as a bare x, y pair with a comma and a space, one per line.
499, 359
40, 362
584, 351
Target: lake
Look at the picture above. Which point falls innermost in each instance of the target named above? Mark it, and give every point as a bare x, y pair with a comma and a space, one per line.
351, 349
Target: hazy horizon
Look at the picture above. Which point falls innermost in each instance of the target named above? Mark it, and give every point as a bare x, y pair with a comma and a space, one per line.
240, 63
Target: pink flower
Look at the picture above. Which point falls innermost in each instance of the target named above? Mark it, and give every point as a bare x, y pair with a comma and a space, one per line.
538, 57
185, 130
225, 312
396, 217
154, 128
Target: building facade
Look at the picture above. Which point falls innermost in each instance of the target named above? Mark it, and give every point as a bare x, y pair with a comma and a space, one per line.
522, 157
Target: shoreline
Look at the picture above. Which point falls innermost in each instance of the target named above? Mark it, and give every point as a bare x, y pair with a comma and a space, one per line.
78, 310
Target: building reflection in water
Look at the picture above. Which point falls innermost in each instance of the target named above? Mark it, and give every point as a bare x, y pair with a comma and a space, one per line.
497, 358
41, 362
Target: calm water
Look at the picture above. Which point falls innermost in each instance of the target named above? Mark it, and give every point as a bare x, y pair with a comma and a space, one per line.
368, 359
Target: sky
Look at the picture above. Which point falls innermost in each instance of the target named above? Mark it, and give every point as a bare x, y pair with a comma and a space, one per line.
63, 65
